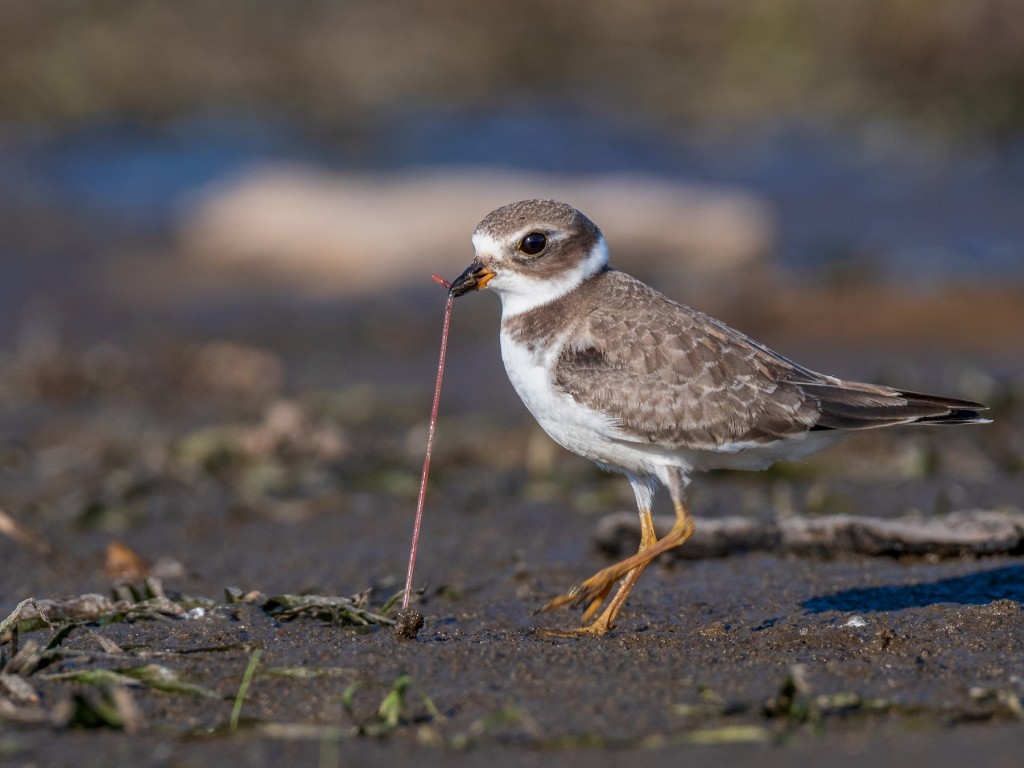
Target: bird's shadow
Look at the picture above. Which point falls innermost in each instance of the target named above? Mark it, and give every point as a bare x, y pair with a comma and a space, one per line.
1006, 583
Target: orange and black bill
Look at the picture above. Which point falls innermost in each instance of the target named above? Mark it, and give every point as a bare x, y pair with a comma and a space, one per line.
474, 278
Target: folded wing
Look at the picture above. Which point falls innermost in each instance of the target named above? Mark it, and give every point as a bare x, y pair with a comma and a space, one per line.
679, 378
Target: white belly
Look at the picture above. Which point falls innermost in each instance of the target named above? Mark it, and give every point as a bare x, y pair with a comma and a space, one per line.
596, 436
583, 431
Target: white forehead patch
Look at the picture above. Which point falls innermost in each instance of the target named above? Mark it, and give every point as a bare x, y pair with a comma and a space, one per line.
484, 243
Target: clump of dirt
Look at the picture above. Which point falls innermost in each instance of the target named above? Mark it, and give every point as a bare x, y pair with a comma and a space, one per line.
408, 624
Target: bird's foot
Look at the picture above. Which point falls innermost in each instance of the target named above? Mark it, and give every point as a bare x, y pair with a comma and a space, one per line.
590, 594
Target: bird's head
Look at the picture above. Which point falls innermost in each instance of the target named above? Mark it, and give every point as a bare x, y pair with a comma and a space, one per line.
531, 253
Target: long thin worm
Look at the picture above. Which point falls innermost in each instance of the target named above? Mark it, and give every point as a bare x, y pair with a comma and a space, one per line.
430, 444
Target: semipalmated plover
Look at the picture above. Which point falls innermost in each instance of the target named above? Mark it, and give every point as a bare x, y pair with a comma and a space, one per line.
619, 374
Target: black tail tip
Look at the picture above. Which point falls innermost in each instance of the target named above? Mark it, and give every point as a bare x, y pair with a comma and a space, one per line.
958, 416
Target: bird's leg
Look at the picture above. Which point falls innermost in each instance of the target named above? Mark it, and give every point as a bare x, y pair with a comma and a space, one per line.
604, 622
592, 592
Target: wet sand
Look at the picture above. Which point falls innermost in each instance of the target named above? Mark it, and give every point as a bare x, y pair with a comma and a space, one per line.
760, 656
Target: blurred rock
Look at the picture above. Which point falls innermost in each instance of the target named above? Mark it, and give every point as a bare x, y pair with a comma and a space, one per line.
366, 233
289, 431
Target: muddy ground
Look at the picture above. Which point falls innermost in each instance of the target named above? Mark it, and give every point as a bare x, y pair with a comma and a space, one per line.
274, 449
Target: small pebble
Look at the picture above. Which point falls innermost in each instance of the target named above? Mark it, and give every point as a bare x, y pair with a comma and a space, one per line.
855, 621
408, 624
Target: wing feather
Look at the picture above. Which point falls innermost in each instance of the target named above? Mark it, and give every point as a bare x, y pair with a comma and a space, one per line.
668, 374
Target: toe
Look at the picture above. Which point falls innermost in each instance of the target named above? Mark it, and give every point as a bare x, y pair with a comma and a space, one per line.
596, 629
589, 595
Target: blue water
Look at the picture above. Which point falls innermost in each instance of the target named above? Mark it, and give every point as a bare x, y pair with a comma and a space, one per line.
138, 176
879, 198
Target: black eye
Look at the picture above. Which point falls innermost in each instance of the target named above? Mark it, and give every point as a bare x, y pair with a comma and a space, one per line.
533, 243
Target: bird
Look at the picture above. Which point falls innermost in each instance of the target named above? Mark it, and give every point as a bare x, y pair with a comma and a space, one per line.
620, 374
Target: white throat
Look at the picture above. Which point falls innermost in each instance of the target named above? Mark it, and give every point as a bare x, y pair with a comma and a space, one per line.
520, 293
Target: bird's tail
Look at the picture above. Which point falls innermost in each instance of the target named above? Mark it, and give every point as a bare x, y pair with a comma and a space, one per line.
852, 405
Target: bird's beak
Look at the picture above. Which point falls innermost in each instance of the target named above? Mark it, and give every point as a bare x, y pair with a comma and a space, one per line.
474, 278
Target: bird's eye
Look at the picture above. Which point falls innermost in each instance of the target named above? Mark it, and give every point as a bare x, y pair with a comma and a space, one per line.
533, 243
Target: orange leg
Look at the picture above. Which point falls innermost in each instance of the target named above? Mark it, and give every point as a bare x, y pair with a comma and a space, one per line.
593, 592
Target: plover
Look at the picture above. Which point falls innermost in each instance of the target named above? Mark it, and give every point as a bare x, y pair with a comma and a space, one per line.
620, 374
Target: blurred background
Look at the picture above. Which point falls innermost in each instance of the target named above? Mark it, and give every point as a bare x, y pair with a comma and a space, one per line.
218, 222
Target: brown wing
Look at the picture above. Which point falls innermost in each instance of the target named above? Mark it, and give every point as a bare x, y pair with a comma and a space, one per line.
670, 375
677, 377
